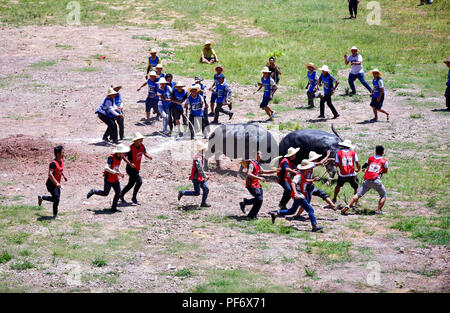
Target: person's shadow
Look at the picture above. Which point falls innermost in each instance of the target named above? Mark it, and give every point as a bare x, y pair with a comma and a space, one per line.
106, 211
101, 144
440, 110
190, 207
366, 122
45, 218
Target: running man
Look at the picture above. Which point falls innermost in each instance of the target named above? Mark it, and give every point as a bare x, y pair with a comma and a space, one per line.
178, 96
164, 92
223, 92
270, 87
119, 108
313, 84
447, 91
153, 61
53, 184
345, 161
196, 105
198, 176
376, 166
377, 95
219, 69
111, 175
253, 186
328, 82
299, 196
137, 150
357, 71
152, 97
284, 173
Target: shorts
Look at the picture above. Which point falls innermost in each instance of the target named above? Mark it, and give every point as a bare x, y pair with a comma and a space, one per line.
372, 184
213, 97
151, 103
377, 105
177, 111
352, 180
264, 103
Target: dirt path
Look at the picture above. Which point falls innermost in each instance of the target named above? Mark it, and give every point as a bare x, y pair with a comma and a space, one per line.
53, 103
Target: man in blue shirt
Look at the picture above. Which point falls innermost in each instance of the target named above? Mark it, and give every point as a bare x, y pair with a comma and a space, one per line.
164, 92
270, 87
219, 70
152, 98
196, 105
377, 95
313, 84
223, 92
328, 90
119, 108
106, 112
178, 96
153, 61
447, 91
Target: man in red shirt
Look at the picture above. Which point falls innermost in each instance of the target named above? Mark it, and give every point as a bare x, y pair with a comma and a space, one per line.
284, 174
137, 150
53, 183
376, 166
253, 186
198, 176
112, 174
345, 161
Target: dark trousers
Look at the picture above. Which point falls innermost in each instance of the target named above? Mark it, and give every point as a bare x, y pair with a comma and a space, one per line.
305, 205
197, 120
134, 180
171, 116
353, 7
256, 201
56, 195
196, 192
219, 109
287, 190
327, 99
312, 190
106, 189
360, 77
447, 97
111, 130
120, 124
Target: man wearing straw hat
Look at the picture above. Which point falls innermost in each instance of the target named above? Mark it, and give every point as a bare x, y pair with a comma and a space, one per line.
137, 150
299, 195
376, 166
198, 176
198, 81
223, 92
447, 91
153, 61
209, 56
53, 184
106, 112
253, 186
345, 161
270, 87
196, 105
328, 82
112, 174
284, 173
313, 84
159, 73
357, 71
164, 92
377, 95
152, 97
311, 189
178, 96
119, 108
219, 69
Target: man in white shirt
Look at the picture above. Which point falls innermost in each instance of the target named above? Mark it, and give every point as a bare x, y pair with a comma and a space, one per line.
357, 71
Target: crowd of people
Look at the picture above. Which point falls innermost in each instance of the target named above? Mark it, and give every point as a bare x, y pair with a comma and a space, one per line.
169, 100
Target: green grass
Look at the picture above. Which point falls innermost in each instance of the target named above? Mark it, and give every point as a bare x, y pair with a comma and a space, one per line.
5, 257
22, 265
185, 272
331, 251
99, 261
42, 64
433, 230
311, 273
237, 281
86, 69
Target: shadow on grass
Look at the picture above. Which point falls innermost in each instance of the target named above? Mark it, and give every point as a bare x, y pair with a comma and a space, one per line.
45, 218
363, 212
101, 144
190, 207
107, 211
440, 110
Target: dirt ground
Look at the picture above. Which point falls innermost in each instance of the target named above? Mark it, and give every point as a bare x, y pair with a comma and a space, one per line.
47, 105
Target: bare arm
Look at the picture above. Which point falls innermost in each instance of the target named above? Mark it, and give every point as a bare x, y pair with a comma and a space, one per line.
148, 156
324, 159
142, 86
53, 179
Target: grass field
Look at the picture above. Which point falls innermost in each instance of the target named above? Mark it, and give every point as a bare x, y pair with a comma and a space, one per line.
165, 245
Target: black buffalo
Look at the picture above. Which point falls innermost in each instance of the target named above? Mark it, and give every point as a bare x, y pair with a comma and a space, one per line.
241, 141
312, 140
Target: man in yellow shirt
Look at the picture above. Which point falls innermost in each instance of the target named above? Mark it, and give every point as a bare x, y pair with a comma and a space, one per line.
209, 56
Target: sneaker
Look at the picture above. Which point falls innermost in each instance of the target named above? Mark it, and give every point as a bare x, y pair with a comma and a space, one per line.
106, 139
317, 228
90, 194
321, 116
180, 194
211, 114
122, 199
273, 216
231, 115
242, 205
116, 142
344, 210
336, 116
379, 212
373, 120
39, 200
134, 200
205, 205
387, 117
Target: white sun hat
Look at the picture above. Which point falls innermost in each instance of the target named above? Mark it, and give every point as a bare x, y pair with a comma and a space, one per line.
266, 70
313, 156
162, 80
152, 50
306, 164
159, 66
196, 87
152, 73
311, 65
375, 70
354, 48
347, 143
121, 148
180, 84
291, 151
208, 43
137, 136
325, 68
201, 146
111, 92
